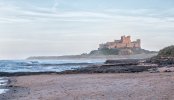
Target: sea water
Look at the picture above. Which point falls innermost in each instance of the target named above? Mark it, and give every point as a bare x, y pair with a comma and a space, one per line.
3, 82
12, 66
44, 65
3, 91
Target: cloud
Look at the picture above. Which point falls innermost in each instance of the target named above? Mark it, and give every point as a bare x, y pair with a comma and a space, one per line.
128, 17
55, 5
11, 13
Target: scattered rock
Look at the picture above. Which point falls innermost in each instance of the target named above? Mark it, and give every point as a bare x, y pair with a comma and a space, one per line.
166, 69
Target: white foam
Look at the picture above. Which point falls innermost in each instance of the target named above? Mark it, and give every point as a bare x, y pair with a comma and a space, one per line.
3, 82
3, 91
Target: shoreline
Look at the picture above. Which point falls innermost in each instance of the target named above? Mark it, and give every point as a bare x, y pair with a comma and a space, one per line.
4, 81
13, 91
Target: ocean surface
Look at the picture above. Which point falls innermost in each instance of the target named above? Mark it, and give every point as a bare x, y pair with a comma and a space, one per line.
44, 65
12, 66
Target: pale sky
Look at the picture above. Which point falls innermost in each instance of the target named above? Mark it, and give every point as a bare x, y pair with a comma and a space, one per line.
68, 27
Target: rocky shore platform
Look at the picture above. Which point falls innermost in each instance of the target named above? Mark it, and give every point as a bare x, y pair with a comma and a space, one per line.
112, 66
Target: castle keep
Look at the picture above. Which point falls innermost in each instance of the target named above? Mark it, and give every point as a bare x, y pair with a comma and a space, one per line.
125, 42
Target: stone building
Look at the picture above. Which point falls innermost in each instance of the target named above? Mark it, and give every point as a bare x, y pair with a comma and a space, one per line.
124, 42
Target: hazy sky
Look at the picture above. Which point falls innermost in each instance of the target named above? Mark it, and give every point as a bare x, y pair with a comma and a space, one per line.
62, 27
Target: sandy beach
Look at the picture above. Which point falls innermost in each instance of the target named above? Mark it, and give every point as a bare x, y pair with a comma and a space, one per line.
124, 86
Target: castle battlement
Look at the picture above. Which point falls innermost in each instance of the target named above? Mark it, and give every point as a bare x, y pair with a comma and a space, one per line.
124, 42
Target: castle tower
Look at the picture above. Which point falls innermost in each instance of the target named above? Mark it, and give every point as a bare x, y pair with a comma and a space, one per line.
126, 40
139, 43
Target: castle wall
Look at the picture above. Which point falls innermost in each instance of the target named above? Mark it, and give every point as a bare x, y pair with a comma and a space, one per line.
125, 42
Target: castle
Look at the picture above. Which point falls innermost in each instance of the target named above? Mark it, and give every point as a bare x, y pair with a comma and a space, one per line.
125, 42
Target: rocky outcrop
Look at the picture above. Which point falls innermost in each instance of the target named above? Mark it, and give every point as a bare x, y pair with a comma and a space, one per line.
164, 57
116, 66
123, 62
166, 52
162, 61
120, 51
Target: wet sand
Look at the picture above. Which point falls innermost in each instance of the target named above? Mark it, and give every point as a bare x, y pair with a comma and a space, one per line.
123, 86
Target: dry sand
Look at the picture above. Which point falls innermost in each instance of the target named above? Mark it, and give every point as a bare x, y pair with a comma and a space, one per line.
129, 86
